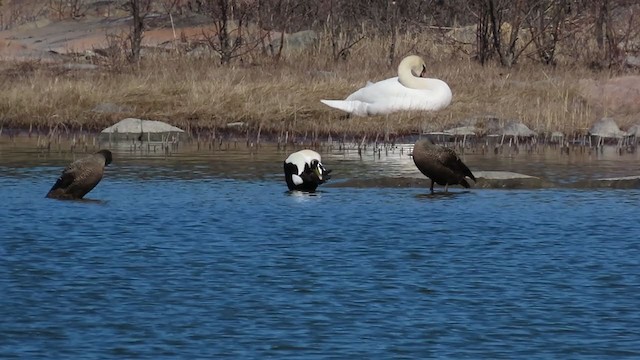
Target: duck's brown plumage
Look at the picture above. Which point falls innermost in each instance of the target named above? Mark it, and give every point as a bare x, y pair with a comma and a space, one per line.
440, 164
81, 176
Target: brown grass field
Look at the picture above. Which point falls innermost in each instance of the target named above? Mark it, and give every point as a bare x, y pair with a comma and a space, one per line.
273, 98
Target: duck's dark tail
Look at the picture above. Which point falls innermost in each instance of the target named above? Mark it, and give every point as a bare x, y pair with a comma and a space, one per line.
58, 188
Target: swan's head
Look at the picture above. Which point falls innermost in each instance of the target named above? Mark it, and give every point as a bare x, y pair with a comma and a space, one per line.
413, 64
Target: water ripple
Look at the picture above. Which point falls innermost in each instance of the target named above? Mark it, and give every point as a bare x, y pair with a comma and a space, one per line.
167, 263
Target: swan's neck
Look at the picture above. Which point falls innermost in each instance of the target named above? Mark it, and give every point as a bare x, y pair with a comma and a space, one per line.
414, 82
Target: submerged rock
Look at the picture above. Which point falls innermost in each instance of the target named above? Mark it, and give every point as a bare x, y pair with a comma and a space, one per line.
383, 182
509, 180
492, 180
627, 182
486, 180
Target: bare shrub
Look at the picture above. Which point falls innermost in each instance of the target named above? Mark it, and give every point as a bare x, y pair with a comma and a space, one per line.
65, 9
230, 36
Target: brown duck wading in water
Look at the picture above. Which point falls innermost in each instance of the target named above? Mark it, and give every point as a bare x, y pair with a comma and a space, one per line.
440, 164
81, 176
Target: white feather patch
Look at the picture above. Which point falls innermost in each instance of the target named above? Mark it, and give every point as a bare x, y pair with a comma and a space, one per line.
296, 179
303, 157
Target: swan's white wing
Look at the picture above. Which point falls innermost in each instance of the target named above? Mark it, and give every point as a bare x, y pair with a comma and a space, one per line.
357, 108
387, 96
378, 91
360, 102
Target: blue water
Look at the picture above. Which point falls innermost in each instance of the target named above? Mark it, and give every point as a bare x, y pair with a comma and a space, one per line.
165, 262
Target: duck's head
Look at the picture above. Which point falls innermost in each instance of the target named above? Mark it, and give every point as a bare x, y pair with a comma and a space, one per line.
108, 157
319, 170
304, 170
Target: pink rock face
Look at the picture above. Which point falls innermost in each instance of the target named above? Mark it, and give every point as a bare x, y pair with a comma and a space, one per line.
618, 95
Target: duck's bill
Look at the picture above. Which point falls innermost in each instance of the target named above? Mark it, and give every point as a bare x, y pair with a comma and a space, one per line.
322, 174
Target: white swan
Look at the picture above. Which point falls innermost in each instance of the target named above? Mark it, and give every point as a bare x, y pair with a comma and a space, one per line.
410, 90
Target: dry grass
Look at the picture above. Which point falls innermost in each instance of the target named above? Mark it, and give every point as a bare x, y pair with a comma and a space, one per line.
276, 98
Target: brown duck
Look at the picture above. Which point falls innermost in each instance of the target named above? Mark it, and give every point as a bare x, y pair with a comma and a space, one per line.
440, 164
81, 176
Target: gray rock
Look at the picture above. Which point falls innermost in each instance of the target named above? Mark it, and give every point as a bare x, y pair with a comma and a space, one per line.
464, 34
200, 51
477, 125
557, 137
634, 131
606, 128
461, 131
144, 130
296, 41
490, 126
509, 180
632, 61
627, 182
516, 128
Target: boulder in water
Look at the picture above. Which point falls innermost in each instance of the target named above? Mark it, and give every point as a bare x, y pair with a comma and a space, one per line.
606, 128
142, 130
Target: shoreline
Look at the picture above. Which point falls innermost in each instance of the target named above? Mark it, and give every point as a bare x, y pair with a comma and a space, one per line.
542, 166
511, 146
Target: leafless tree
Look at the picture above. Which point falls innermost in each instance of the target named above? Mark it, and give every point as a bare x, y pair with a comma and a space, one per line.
342, 27
498, 28
139, 10
546, 26
230, 20
611, 39
283, 16
68, 8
